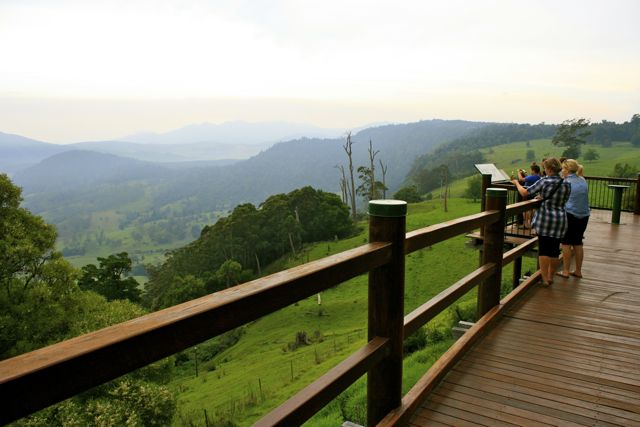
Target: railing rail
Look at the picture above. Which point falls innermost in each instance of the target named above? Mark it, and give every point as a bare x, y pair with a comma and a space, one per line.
35, 380
600, 195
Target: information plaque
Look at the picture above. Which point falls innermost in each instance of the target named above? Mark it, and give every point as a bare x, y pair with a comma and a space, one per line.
497, 175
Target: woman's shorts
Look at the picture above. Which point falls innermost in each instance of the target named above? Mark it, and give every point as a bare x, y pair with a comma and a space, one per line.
549, 246
575, 230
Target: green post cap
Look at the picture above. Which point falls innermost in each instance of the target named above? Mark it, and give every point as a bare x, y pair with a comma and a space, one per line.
387, 208
497, 192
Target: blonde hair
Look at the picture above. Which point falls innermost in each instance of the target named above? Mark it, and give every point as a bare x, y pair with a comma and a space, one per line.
553, 164
572, 165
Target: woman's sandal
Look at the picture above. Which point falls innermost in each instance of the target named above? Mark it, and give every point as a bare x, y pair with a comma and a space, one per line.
563, 276
573, 273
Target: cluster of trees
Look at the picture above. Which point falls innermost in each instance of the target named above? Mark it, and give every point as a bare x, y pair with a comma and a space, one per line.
574, 133
238, 246
42, 302
370, 188
605, 132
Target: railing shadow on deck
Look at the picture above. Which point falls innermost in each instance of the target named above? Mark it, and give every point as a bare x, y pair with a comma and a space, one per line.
35, 380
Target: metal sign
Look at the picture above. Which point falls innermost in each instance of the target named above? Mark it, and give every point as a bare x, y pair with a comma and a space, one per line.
497, 175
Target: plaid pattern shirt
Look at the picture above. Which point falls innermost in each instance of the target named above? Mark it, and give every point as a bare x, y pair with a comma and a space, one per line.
551, 218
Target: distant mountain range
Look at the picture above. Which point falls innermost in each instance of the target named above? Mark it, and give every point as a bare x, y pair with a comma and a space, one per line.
75, 185
280, 168
198, 142
235, 133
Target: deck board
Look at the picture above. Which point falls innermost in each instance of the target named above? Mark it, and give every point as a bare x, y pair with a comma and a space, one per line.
565, 355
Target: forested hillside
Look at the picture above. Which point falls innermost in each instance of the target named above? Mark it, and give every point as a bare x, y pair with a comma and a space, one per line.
456, 158
103, 204
237, 247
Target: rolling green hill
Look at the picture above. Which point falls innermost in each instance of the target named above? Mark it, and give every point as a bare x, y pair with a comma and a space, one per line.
512, 156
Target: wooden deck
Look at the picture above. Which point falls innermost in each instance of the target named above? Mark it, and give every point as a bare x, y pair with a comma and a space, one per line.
565, 355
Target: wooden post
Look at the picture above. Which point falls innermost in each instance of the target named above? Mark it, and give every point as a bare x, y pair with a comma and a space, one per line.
517, 271
486, 183
489, 290
636, 211
387, 223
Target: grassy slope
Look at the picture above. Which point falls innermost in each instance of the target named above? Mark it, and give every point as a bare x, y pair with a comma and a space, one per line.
257, 374
511, 157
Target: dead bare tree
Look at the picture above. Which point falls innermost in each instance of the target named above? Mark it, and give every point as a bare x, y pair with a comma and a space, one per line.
372, 156
348, 148
444, 185
343, 185
383, 168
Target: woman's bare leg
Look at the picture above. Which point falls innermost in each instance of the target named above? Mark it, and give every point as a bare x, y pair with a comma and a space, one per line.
553, 266
579, 251
545, 261
567, 253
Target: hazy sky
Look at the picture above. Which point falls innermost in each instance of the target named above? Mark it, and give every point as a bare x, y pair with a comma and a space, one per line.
97, 69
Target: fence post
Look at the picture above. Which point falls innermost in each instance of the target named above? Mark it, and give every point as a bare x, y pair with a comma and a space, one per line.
517, 271
489, 290
636, 211
486, 183
387, 223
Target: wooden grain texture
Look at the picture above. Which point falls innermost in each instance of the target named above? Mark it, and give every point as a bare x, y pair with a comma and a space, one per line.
565, 355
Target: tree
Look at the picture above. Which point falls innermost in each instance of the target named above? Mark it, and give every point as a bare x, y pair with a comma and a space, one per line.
384, 168
373, 191
230, 273
26, 241
625, 171
444, 184
409, 194
182, 289
348, 148
344, 188
108, 280
635, 139
572, 134
531, 155
591, 154
368, 188
474, 187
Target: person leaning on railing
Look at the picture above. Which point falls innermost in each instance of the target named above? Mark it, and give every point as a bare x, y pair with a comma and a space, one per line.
577, 208
550, 220
528, 181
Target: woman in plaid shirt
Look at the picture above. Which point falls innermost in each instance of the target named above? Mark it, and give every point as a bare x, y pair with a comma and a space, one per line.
550, 220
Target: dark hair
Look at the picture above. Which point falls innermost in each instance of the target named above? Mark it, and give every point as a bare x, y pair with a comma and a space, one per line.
535, 168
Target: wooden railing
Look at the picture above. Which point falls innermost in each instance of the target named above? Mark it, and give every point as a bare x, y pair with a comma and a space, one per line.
33, 381
600, 195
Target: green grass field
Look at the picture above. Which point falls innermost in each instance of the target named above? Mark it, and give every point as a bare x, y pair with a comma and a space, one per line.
260, 371
511, 157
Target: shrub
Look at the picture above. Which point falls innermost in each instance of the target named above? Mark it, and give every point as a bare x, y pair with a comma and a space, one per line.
415, 342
